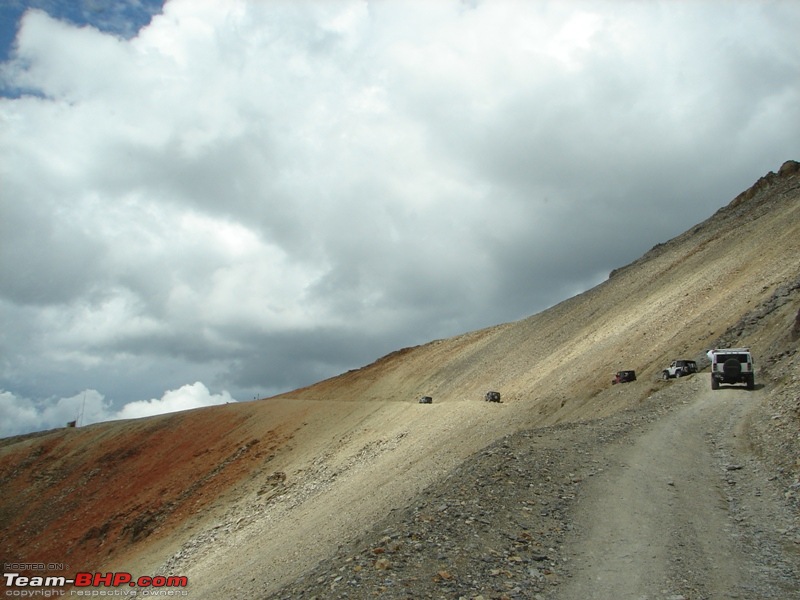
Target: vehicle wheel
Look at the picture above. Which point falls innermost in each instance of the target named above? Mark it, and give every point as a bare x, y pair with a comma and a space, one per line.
751, 382
665, 375
732, 369
714, 383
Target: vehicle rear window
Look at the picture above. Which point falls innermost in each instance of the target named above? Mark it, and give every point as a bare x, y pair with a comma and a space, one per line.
721, 358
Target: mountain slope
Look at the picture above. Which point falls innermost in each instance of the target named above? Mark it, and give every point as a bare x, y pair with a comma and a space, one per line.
678, 299
264, 490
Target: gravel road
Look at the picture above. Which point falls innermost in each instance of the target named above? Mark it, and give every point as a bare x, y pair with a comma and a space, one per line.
666, 501
682, 512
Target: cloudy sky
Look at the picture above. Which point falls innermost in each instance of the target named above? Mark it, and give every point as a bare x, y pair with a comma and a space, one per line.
210, 201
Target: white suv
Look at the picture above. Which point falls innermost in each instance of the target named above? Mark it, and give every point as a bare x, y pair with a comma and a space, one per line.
732, 365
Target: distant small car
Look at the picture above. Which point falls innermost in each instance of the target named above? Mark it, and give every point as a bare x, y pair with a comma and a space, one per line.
679, 368
624, 377
492, 397
426, 400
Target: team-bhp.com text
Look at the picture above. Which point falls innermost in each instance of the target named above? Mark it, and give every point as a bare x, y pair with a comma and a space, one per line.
162, 583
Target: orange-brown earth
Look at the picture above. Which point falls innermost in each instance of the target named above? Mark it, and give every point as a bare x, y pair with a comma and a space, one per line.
264, 490
84, 496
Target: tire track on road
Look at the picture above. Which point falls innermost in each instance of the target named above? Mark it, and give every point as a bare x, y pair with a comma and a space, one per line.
656, 524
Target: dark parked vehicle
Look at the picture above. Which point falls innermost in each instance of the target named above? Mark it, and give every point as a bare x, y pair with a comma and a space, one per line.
492, 397
624, 377
426, 400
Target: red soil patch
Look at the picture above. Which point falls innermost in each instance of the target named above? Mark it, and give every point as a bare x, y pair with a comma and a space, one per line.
81, 497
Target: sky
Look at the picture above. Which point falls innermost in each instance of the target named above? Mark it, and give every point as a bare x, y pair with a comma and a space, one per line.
214, 201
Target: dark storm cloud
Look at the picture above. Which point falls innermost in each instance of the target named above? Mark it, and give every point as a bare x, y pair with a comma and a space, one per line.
254, 196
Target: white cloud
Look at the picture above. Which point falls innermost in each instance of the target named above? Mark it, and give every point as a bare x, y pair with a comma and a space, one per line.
22, 415
185, 398
262, 194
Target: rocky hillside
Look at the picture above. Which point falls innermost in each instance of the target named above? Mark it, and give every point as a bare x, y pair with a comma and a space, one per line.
261, 492
681, 298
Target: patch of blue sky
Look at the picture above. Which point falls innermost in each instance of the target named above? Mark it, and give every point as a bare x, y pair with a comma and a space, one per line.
120, 17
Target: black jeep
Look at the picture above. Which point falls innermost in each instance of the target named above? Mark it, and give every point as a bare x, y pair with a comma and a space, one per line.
624, 377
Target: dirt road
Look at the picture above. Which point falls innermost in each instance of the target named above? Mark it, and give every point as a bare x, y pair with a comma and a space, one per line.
663, 502
680, 511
